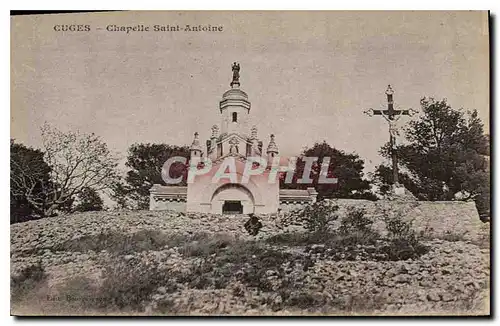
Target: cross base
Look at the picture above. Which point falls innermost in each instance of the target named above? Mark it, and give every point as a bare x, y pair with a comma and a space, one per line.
398, 189
399, 192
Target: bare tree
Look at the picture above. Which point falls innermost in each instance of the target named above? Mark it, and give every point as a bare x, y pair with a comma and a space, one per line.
77, 162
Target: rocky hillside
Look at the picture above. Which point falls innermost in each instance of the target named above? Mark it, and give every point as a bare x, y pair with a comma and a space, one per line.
169, 263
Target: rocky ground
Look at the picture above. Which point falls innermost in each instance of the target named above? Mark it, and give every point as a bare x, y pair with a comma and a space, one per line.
169, 263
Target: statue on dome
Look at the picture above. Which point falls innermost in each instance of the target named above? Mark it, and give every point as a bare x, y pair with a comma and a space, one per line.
236, 74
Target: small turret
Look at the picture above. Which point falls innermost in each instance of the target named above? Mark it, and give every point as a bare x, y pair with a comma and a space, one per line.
196, 149
253, 134
255, 149
215, 131
272, 149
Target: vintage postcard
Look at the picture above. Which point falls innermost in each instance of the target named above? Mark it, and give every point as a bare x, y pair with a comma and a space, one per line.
250, 163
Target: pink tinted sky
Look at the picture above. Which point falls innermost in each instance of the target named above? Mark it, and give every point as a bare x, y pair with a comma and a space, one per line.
309, 75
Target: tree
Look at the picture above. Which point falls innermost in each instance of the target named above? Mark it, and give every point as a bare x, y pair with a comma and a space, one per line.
29, 173
445, 156
145, 162
89, 200
347, 168
77, 161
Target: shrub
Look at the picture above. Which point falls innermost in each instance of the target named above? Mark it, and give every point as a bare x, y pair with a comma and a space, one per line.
130, 284
397, 228
316, 217
355, 221
89, 200
403, 242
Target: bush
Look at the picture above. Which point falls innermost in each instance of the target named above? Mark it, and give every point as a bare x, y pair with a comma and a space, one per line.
316, 217
403, 242
89, 200
355, 221
397, 228
130, 284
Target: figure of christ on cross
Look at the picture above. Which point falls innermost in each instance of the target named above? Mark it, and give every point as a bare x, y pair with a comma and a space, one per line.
392, 116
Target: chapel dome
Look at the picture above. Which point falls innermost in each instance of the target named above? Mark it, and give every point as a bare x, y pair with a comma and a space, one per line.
235, 94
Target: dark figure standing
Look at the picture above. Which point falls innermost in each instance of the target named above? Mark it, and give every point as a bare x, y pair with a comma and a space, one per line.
253, 225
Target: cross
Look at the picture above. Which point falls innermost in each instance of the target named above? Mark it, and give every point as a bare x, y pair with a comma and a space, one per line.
390, 116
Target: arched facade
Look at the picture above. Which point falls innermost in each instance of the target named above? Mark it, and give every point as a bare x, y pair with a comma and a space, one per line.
232, 194
256, 196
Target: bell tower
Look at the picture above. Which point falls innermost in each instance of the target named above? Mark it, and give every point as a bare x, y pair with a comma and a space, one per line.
234, 107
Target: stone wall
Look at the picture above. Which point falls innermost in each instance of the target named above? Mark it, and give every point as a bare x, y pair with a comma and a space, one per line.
433, 219
290, 206
167, 205
430, 218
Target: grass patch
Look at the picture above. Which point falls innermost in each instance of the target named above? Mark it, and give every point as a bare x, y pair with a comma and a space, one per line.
118, 242
130, 285
126, 287
197, 244
205, 245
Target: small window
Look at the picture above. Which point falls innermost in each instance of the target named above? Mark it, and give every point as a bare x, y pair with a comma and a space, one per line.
235, 117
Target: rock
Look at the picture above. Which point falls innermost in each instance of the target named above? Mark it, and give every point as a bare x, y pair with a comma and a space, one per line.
446, 297
318, 247
425, 283
128, 257
270, 272
403, 278
433, 297
445, 272
325, 283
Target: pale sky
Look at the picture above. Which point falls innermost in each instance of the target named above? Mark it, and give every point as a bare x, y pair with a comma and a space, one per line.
309, 75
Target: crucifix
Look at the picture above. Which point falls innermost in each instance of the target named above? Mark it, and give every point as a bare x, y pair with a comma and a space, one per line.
392, 116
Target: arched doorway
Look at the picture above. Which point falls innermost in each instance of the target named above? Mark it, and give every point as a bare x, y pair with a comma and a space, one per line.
232, 199
232, 207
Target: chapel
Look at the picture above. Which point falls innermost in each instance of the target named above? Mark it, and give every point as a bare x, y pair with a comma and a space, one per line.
233, 140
